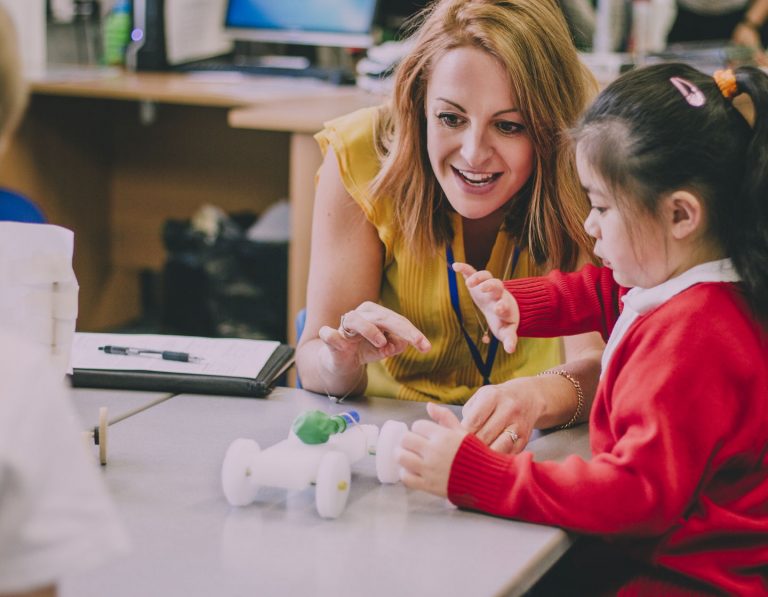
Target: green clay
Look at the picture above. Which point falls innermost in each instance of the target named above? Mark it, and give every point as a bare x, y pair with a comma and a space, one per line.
315, 426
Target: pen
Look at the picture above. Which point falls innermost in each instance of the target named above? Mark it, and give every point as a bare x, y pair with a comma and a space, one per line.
167, 355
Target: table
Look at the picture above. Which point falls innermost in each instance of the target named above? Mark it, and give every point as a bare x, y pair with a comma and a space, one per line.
113, 155
163, 471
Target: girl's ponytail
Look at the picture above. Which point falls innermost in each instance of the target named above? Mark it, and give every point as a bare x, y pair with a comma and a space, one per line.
747, 237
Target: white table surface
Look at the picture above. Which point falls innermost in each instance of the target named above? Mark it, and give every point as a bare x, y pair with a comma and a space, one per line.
164, 473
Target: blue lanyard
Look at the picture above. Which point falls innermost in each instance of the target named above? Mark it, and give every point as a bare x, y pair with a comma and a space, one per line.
484, 367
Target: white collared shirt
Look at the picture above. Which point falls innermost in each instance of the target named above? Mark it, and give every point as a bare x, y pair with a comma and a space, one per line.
641, 300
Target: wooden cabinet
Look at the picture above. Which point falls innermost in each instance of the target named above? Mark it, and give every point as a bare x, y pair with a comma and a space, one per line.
113, 155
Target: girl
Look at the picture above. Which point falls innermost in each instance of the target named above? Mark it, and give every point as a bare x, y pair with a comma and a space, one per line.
678, 181
466, 162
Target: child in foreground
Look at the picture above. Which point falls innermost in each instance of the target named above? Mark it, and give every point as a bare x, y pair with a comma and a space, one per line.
57, 520
678, 479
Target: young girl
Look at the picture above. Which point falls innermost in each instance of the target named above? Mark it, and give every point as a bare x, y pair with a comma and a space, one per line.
678, 182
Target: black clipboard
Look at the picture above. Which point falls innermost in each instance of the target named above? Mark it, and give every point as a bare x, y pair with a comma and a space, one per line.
180, 383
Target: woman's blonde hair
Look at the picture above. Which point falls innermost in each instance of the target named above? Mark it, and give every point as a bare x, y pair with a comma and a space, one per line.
13, 91
531, 40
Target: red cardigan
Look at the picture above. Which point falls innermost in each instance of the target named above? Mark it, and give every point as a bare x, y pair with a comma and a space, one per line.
678, 432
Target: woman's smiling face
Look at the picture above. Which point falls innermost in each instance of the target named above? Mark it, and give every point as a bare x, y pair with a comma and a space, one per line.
478, 146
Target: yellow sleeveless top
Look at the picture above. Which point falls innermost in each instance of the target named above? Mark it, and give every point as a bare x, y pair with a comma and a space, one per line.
419, 290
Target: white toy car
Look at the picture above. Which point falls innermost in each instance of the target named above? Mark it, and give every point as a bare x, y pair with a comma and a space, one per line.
292, 464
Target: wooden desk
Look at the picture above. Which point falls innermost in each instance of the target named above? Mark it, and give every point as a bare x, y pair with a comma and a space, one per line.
164, 473
112, 155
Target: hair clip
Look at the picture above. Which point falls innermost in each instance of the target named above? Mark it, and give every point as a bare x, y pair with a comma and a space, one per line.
692, 94
726, 81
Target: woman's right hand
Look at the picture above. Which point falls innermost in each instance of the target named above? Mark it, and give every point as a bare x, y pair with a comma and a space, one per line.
346, 272
370, 333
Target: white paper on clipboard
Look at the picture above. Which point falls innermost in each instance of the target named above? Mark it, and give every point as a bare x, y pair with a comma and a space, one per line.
194, 29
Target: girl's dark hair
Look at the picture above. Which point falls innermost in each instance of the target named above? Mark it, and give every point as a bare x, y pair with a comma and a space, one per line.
647, 137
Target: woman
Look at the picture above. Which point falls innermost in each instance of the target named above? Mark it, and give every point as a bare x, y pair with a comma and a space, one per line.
467, 163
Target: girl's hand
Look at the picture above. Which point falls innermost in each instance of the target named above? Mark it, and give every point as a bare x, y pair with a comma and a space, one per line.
370, 333
498, 306
503, 416
427, 451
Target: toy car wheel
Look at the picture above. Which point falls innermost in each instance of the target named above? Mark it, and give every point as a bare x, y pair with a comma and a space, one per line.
332, 485
390, 436
239, 486
103, 424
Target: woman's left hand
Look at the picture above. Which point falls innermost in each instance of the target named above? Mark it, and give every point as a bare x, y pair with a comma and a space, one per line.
503, 416
427, 451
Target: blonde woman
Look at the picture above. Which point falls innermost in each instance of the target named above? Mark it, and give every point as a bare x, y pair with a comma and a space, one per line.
468, 163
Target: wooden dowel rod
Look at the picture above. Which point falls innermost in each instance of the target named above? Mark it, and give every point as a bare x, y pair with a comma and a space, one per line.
143, 407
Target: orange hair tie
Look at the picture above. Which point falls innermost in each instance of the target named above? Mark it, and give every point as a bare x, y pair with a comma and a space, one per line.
726, 81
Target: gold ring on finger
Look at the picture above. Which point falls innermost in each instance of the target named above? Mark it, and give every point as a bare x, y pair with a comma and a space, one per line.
345, 331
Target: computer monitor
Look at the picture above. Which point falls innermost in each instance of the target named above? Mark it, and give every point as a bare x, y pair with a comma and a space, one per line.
334, 23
